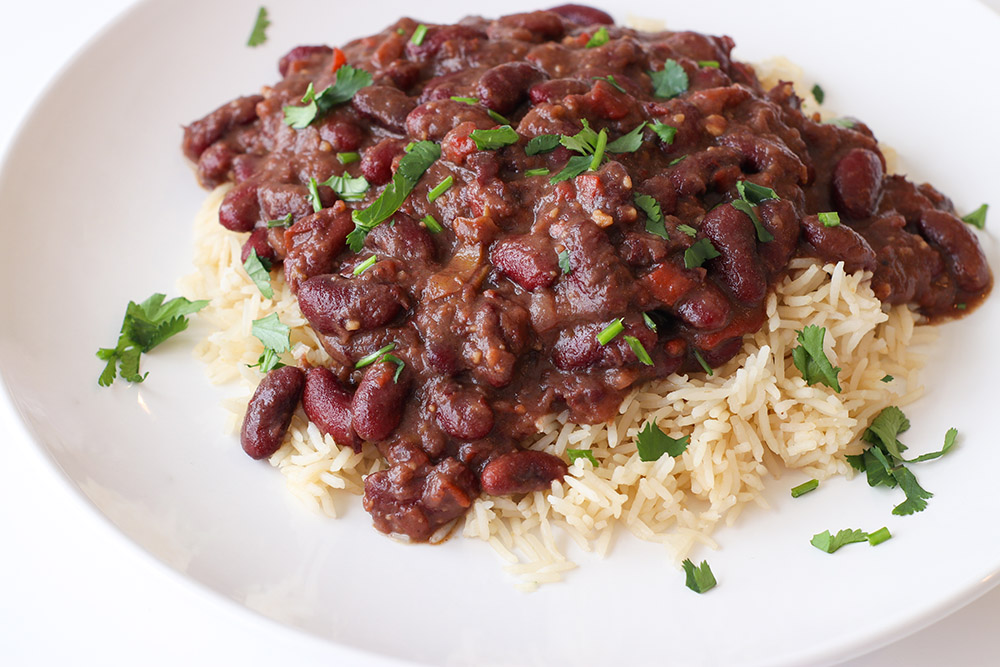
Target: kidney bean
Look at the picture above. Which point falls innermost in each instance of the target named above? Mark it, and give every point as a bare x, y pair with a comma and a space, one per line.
433, 120
554, 90
529, 260
583, 15
270, 411
529, 26
521, 471
669, 281
461, 83
449, 490
386, 105
504, 87
244, 166
299, 54
577, 347
378, 403
258, 242
439, 35
336, 305
344, 136
240, 208
457, 145
403, 73
857, 183
839, 244
376, 163
277, 200
738, 267
402, 238
962, 253
313, 242
705, 307
328, 405
778, 217
461, 411
201, 134
214, 164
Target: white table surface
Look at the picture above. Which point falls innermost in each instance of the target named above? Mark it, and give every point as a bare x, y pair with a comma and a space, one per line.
73, 590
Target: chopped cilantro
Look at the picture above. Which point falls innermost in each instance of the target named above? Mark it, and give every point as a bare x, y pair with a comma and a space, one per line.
652, 443
267, 361
411, 167
280, 222
575, 454
259, 274
649, 321
829, 218
348, 158
433, 226
600, 38
609, 332
272, 333
698, 253
804, 488
687, 229
811, 360
818, 93
753, 193
639, 350
743, 206
541, 171
349, 81
144, 326
564, 264
830, 543
665, 132
670, 81
493, 139
467, 100
709, 63
654, 216
576, 166
887, 378
699, 579
846, 123
346, 187
365, 265
704, 364
610, 78
543, 143
370, 359
440, 188
879, 536
977, 218
418, 35
259, 33
677, 160
628, 143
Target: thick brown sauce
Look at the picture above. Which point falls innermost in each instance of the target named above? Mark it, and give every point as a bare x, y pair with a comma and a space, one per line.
494, 334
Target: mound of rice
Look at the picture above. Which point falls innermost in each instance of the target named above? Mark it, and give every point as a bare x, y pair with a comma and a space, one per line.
754, 418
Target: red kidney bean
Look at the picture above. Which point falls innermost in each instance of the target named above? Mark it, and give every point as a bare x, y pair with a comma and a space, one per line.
257, 242
529, 26
738, 267
378, 403
376, 163
433, 120
461, 411
270, 411
438, 36
336, 305
328, 405
778, 217
313, 242
201, 134
857, 183
449, 491
529, 260
504, 87
277, 200
403, 73
344, 136
705, 307
521, 471
839, 244
240, 208
214, 164
402, 238
583, 14
388, 106
961, 250
244, 166
555, 90
301, 53
461, 83
577, 347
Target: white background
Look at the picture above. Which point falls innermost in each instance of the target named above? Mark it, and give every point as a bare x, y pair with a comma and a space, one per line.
74, 591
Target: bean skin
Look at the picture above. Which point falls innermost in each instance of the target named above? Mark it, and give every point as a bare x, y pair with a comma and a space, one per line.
258, 242
336, 305
521, 471
270, 411
857, 183
554, 90
738, 266
240, 208
402, 238
386, 105
462, 412
328, 405
705, 307
529, 261
201, 134
839, 244
504, 87
301, 53
961, 250
312, 243
378, 403
376, 163
582, 14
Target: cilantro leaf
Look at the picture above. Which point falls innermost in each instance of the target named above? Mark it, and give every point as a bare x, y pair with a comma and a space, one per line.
258, 35
259, 274
348, 188
830, 543
599, 38
492, 139
640, 352
652, 443
885, 429
628, 143
753, 193
811, 360
267, 361
272, 333
411, 167
349, 81
576, 166
687, 229
584, 141
744, 206
977, 218
829, 218
671, 81
564, 264
665, 132
575, 454
916, 495
654, 216
699, 252
818, 93
543, 143
699, 579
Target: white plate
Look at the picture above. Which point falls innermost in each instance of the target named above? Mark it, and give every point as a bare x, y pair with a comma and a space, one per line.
99, 200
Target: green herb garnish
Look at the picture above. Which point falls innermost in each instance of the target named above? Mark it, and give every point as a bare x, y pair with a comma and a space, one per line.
564, 264
576, 166
845, 123
280, 222
628, 143
370, 359
272, 333
670, 81
575, 454
687, 229
542, 171
665, 132
259, 273
543, 143
704, 364
887, 378
610, 78
699, 579
677, 160
829, 218
349, 81
818, 94
609, 332
497, 117
830, 543
811, 360
977, 218
467, 100
365, 265
259, 33
400, 365
804, 488
348, 158
654, 216
346, 187
418, 35
433, 226
440, 188
492, 139
639, 350
649, 321
709, 63
652, 443
267, 361
698, 253
600, 38
879, 536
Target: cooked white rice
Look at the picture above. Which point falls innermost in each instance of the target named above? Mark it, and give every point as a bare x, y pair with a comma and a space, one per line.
754, 418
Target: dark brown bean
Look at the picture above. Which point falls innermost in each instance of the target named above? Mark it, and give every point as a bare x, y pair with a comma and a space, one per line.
529, 260
301, 53
240, 208
583, 14
328, 405
270, 411
521, 471
577, 347
438, 36
839, 244
215, 163
449, 491
778, 217
402, 238
738, 266
344, 136
258, 242
705, 307
277, 200
528, 26
554, 90
461, 411
386, 105
312, 243
961, 250
376, 163
433, 120
377, 407
336, 306
857, 183
201, 134
504, 87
